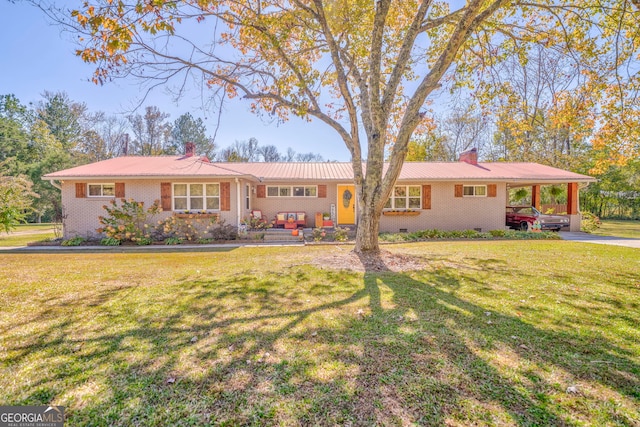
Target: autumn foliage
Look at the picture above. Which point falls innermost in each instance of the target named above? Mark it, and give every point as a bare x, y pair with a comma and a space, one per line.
369, 69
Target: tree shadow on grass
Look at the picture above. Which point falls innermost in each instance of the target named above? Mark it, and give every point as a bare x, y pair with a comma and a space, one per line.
323, 348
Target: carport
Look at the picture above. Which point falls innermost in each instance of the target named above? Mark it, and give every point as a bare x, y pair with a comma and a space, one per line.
573, 196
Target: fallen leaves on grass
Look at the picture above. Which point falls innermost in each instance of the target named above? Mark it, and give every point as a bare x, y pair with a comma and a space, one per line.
341, 259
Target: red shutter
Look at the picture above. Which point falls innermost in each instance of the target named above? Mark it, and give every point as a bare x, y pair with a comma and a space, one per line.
81, 190
165, 196
261, 191
120, 189
225, 196
458, 190
492, 190
426, 197
322, 191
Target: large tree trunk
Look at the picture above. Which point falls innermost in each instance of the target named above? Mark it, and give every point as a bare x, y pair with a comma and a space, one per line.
369, 211
368, 229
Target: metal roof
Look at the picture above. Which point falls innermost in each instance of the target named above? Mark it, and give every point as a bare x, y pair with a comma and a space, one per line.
196, 167
147, 167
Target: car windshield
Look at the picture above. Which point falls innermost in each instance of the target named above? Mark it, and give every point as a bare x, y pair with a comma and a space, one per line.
524, 210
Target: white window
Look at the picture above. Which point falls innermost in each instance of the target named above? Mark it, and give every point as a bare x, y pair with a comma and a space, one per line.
196, 197
102, 190
294, 191
248, 197
474, 191
405, 197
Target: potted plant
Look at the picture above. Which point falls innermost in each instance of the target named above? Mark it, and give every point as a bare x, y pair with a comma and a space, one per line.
326, 216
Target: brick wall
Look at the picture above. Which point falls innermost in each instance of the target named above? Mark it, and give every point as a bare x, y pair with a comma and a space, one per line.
453, 213
83, 213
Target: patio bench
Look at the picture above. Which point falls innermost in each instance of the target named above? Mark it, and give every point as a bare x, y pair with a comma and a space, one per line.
291, 219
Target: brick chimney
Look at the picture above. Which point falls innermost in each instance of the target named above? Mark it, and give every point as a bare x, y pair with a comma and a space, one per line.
189, 149
469, 156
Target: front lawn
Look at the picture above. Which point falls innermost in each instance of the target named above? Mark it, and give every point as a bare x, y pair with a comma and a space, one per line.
44, 226
27, 233
25, 239
619, 228
487, 333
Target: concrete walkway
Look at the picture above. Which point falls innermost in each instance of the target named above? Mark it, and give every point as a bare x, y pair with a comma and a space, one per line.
601, 240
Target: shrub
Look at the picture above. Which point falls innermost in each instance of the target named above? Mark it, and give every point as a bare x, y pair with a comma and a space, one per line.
222, 231
590, 222
253, 223
340, 234
74, 241
129, 221
110, 241
465, 234
318, 234
144, 241
190, 229
173, 241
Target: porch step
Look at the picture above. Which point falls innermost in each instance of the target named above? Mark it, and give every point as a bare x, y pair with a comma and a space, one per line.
282, 236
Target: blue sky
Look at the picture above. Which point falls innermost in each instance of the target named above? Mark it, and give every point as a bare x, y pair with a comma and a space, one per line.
36, 56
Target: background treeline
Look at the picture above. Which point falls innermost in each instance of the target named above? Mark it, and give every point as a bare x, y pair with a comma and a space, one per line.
59, 133
545, 108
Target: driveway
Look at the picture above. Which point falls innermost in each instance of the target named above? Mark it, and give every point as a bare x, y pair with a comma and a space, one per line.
601, 240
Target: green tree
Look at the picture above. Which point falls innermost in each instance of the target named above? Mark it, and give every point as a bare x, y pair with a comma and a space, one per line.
14, 138
63, 117
15, 201
364, 68
187, 129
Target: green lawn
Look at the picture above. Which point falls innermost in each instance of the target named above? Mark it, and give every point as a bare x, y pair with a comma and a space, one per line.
34, 227
619, 228
24, 234
488, 333
24, 240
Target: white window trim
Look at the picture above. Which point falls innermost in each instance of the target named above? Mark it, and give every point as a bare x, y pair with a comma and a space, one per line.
291, 191
101, 184
474, 191
406, 198
188, 196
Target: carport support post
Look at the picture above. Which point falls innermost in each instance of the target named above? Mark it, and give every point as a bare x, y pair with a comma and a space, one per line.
535, 196
573, 206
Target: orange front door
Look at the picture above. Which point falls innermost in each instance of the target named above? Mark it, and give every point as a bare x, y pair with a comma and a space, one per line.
346, 204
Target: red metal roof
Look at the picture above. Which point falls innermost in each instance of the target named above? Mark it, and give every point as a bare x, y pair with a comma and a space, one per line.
180, 166
500, 171
326, 171
147, 167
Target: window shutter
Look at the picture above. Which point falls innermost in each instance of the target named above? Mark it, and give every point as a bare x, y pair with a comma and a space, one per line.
120, 189
322, 191
426, 197
225, 196
458, 191
492, 190
81, 190
261, 191
165, 196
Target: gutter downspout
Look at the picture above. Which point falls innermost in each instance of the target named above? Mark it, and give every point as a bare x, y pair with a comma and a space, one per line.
238, 203
54, 184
